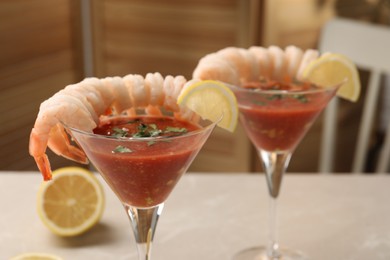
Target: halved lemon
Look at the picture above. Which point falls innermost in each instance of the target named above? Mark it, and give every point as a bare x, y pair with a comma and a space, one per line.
36, 256
72, 202
211, 100
332, 69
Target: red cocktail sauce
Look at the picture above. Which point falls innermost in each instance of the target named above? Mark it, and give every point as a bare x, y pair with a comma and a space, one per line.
143, 173
275, 121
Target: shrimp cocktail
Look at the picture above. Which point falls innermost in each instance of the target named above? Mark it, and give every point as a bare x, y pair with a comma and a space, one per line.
133, 131
280, 93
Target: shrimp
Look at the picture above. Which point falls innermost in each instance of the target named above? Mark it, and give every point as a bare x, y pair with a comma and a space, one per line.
263, 60
120, 93
244, 62
154, 81
97, 86
278, 63
139, 92
86, 104
294, 58
48, 130
309, 56
184, 113
237, 66
173, 85
212, 66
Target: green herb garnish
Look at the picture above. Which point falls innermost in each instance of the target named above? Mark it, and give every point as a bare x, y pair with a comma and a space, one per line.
170, 129
301, 98
150, 143
154, 131
133, 121
119, 132
275, 97
149, 130
121, 149
142, 127
259, 103
142, 131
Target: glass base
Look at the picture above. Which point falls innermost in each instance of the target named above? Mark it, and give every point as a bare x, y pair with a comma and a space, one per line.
260, 253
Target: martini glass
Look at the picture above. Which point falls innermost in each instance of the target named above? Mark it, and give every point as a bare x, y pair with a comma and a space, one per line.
142, 172
275, 122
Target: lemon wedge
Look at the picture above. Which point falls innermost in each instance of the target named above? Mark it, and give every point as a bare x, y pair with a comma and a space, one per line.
211, 100
36, 256
72, 202
332, 69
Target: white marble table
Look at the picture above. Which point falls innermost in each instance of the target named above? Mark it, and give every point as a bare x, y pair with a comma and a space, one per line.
212, 216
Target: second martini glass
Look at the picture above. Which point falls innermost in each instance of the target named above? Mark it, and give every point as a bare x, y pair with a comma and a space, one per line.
142, 172
275, 119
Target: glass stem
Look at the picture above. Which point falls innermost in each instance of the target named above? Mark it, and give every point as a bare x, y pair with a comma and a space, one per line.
275, 165
273, 247
144, 222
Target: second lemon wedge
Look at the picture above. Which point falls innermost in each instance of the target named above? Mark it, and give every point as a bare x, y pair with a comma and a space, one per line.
211, 100
332, 69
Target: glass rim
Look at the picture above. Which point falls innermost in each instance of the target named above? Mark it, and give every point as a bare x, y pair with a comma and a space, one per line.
286, 92
203, 129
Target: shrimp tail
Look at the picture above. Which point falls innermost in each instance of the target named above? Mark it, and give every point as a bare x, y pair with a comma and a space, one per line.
60, 144
41, 159
43, 164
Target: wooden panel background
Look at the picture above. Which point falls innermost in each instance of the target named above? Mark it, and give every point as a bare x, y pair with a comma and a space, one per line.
38, 56
296, 22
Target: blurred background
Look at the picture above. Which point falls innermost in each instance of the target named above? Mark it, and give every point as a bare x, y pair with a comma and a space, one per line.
46, 45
